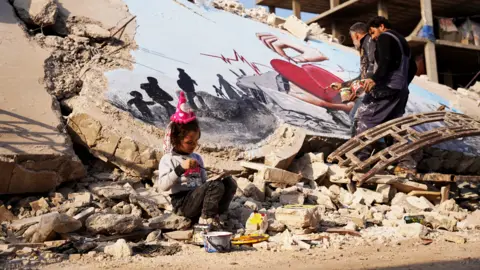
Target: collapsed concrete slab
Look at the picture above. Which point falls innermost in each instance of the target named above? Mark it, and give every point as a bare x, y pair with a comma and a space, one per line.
36, 155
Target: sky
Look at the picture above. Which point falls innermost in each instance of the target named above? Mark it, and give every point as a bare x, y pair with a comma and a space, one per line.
280, 12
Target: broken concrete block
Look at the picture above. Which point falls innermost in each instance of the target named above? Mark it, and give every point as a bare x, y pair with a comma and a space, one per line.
337, 174
179, 235
413, 230
421, 203
298, 218
20, 224
274, 20
311, 166
40, 204
367, 197
285, 151
82, 216
39, 12
296, 27
253, 204
109, 190
250, 189
66, 224
321, 199
5, 214
112, 224
57, 199
154, 236
148, 205
472, 221
292, 198
90, 30
400, 199
273, 175
457, 239
54, 223
396, 213
119, 250
169, 222
449, 205
345, 197
162, 201
80, 199
276, 226
439, 221
388, 191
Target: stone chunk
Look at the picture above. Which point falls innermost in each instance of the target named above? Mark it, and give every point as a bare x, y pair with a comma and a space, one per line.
421, 203
337, 174
179, 235
154, 236
169, 222
413, 230
109, 190
90, 30
112, 224
290, 144
150, 206
472, 221
439, 221
388, 191
276, 226
26, 222
255, 190
40, 204
322, 199
80, 199
297, 27
367, 197
457, 239
39, 12
274, 20
311, 166
54, 223
292, 198
119, 250
5, 214
449, 205
298, 218
273, 175
82, 216
57, 199
400, 199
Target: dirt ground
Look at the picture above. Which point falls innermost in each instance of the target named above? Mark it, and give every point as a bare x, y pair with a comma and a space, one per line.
408, 255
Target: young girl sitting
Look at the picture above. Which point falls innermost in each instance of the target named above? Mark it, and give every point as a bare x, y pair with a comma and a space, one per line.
182, 172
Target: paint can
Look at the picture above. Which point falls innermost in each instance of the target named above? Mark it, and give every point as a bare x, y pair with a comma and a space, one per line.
199, 231
218, 242
345, 94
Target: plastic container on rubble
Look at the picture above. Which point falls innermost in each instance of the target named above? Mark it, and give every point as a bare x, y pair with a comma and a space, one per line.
218, 242
256, 224
199, 232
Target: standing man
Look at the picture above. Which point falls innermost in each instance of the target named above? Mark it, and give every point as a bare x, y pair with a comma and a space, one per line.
366, 46
387, 90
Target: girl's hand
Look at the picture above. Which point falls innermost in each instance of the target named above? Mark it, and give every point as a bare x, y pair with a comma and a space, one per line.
189, 164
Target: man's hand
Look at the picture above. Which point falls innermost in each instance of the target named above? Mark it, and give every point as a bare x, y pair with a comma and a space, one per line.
336, 86
189, 164
368, 85
277, 45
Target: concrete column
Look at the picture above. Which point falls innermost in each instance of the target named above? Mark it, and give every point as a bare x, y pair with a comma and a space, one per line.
296, 8
335, 33
334, 3
382, 8
430, 54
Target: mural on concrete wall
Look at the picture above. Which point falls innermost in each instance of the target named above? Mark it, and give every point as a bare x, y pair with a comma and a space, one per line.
242, 77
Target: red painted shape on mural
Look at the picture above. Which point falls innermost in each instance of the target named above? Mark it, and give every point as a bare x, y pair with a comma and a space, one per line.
237, 58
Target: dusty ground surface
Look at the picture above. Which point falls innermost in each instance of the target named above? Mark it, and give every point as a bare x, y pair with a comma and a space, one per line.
407, 255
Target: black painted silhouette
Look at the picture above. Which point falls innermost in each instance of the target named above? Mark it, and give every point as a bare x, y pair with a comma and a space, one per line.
231, 93
243, 72
219, 92
141, 104
187, 84
158, 95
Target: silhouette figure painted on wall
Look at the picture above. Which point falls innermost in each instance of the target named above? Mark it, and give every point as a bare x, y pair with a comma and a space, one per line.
219, 92
158, 95
141, 104
231, 93
187, 84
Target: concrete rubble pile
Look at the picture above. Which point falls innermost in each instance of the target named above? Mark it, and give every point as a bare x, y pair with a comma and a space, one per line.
110, 215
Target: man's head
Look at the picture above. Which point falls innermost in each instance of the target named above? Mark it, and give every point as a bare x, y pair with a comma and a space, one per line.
378, 25
357, 32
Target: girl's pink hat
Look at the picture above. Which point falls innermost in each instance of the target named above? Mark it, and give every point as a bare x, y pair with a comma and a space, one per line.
184, 113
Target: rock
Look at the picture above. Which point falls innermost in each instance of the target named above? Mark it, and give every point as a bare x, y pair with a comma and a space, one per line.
154, 236
5, 214
39, 12
400, 199
449, 205
396, 213
382, 208
252, 204
367, 197
169, 222
438, 221
285, 239
392, 223
150, 206
80, 199
378, 216
119, 250
457, 239
74, 257
45, 229
112, 224
287, 148
413, 230
310, 166
66, 224
20, 224
328, 192
421, 203
337, 174
82, 216
297, 27
335, 190
40, 204
345, 197
472, 221
179, 235
249, 189
351, 226
275, 226
292, 198
57, 199
273, 175
388, 191
53, 41
298, 218
274, 20
90, 30
322, 199
109, 190
162, 201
